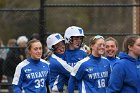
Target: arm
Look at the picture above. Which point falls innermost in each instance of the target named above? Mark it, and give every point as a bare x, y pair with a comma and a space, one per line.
62, 66
16, 89
59, 74
18, 79
76, 75
71, 84
116, 79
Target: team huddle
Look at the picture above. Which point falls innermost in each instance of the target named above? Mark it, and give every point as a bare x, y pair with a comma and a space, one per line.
72, 67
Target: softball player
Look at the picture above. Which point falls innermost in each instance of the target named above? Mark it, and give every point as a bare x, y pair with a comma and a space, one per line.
74, 52
59, 69
125, 76
93, 71
74, 38
111, 48
32, 74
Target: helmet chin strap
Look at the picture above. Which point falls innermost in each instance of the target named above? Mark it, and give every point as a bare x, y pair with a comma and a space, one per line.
52, 49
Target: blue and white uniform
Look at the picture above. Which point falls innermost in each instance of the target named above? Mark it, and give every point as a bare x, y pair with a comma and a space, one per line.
73, 56
92, 74
125, 76
59, 72
31, 76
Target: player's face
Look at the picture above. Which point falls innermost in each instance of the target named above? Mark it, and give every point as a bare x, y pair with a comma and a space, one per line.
36, 50
135, 49
76, 41
98, 48
110, 48
60, 47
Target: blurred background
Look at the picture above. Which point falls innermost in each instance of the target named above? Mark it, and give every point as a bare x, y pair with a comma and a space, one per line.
110, 18
106, 17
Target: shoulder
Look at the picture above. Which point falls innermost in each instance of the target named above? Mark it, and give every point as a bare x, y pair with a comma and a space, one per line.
44, 61
82, 50
117, 57
45, 64
104, 59
82, 62
120, 64
121, 61
54, 59
23, 64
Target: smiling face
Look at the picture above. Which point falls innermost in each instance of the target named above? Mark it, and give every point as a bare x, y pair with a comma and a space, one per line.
98, 47
35, 50
110, 48
59, 48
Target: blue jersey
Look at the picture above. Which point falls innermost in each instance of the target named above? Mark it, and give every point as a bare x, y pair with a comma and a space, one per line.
92, 74
125, 77
112, 60
59, 72
31, 76
73, 56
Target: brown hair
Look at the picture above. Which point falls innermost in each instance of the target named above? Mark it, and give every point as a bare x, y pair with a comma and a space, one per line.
129, 41
29, 44
112, 39
93, 40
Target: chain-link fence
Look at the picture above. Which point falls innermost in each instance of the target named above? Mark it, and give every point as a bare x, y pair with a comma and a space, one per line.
116, 18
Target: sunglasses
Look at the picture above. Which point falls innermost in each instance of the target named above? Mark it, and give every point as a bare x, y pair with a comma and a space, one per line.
98, 37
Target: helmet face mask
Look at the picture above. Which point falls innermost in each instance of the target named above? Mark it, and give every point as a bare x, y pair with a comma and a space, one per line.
53, 39
72, 31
